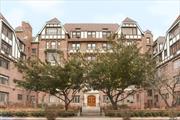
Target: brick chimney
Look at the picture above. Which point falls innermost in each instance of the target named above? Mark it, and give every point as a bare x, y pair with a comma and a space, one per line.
24, 32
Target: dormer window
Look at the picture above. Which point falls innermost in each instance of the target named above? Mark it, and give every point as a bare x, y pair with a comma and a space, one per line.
78, 29
76, 34
129, 31
106, 34
105, 29
91, 34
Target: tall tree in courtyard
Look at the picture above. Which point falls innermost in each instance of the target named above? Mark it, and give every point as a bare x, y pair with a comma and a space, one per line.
121, 67
64, 81
165, 85
32, 70
60, 80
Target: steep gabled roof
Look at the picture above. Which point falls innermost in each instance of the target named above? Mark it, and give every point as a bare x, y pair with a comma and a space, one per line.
4, 19
128, 20
175, 22
53, 21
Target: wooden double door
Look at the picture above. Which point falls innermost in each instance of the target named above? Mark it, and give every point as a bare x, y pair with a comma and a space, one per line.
91, 100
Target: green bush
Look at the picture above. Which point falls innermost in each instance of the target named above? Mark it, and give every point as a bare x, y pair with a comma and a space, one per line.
6, 114
67, 113
110, 113
141, 113
21, 114
147, 114
38, 114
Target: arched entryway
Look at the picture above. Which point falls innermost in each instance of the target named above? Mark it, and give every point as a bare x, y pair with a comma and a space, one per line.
91, 100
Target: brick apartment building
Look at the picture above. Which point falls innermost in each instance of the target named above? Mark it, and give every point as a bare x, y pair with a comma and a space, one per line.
86, 38
166, 51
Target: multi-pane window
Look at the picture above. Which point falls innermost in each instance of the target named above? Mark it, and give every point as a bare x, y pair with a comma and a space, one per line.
90, 58
106, 46
129, 31
91, 46
4, 80
51, 31
148, 40
165, 52
149, 93
177, 79
75, 46
53, 45
106, 34
4, 63
52, 57
91, 34
76, 99
175, 47
177, 98
6, 47
33, 50
176, 64
105, 98
3, 97
166, 96
7, 32
76, 34
19, 96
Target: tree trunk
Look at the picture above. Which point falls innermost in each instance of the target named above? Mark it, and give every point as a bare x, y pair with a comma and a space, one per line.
66, 106
165, 100
66, 103
36, 99
113, 102
114, 105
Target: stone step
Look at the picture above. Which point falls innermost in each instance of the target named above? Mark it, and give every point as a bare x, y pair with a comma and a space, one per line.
90, 114
90, 111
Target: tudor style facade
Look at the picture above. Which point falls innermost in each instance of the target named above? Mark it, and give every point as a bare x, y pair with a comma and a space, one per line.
12, 48
167, 55
86, 38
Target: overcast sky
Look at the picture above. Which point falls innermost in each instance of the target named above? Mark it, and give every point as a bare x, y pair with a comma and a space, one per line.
155, 15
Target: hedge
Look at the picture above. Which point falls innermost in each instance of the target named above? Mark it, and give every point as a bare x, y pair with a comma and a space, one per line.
140, 113
35, 114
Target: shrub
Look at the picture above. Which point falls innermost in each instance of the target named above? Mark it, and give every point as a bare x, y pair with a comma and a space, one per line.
67, 113
141, 113
6, 114
51, 112
38, 114
147, 114
21, 114
123, 106
110, 113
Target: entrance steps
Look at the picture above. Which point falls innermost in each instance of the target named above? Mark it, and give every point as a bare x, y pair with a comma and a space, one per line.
91, 111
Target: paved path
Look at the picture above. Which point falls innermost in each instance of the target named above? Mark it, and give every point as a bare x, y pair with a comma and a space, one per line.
89, 118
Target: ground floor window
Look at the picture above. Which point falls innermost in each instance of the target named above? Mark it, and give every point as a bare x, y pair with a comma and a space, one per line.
19, 96
4, 80
105, 98
76, 99
3, 97
177, 98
